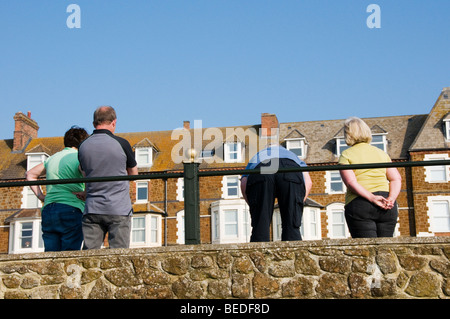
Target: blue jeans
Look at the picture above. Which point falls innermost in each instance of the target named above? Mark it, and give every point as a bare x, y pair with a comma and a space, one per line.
61, 227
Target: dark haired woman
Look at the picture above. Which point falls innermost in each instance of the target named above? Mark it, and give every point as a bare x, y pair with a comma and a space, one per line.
63, 206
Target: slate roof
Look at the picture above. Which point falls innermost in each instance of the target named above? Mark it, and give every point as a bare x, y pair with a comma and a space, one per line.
320, 136
404, 134
431, 134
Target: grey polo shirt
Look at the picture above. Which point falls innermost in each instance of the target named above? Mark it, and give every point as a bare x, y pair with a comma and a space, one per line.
104, 154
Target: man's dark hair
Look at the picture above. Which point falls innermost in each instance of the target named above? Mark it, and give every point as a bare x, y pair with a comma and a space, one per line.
104, 115
74, 136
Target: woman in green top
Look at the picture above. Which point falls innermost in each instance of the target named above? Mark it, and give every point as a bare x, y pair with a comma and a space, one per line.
63, 203
370, 201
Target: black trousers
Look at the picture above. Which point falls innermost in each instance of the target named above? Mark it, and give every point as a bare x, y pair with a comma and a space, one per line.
288, 188
366, 220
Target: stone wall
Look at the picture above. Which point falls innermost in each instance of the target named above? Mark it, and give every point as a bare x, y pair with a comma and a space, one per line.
401, 267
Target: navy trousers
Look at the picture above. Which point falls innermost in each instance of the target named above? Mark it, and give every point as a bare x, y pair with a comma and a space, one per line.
366, 220
288, 189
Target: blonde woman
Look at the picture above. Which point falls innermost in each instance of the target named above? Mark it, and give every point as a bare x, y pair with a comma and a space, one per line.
370, 201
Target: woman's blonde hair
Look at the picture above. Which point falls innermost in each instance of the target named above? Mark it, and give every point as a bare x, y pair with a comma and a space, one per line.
356, 131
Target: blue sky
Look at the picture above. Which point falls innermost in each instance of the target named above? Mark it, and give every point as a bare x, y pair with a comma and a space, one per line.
160, 62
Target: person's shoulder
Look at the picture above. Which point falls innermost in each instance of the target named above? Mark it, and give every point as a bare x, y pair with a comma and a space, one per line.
121, 140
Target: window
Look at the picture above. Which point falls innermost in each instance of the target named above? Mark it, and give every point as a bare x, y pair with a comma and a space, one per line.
334, 183
297, 146
230, 187
180, 189
379, 140
439, 213
180, 227
26, 237
337, 227
447, 127
144, 156
230, 221
309, 229
205, 154
233, 152
437, 174
142, 192
34, 159
138, 230
145, 230
29, 199
340, 145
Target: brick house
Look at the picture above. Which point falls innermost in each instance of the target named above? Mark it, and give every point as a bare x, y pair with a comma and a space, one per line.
424, 202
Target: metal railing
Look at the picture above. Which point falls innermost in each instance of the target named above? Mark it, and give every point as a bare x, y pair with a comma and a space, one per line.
191, 175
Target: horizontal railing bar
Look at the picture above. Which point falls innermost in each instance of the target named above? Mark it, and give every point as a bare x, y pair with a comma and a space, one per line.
167, 175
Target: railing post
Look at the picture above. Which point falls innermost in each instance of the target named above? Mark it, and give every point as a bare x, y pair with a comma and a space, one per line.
191, 203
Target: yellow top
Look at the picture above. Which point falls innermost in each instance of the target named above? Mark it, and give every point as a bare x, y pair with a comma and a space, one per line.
372, 179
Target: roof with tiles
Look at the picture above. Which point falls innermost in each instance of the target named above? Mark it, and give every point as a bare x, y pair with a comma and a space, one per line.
404, 134
320, 136
430, 135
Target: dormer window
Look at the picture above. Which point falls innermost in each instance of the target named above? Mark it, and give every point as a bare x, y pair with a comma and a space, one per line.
233, 152
34, 159
447, 127
340, 145
145, 153
144, 156
295, 142
297, 146
379, 140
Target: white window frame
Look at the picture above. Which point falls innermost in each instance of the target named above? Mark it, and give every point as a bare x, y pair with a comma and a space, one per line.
290, 145
15, 235
226, 180
139, 185
180, 228
152, 228
219, 209
207, 154
329, 181
34, 159
228, 153
311, 223
431, 201
148, 151
180, 189
334, 208
341, 145
383, 142
447, 129
29, 199
429, 169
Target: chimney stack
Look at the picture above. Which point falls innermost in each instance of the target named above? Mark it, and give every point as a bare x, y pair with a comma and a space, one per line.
25, 129
269, 125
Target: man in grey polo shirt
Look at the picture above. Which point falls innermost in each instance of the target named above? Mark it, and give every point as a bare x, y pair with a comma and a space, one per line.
108, 205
